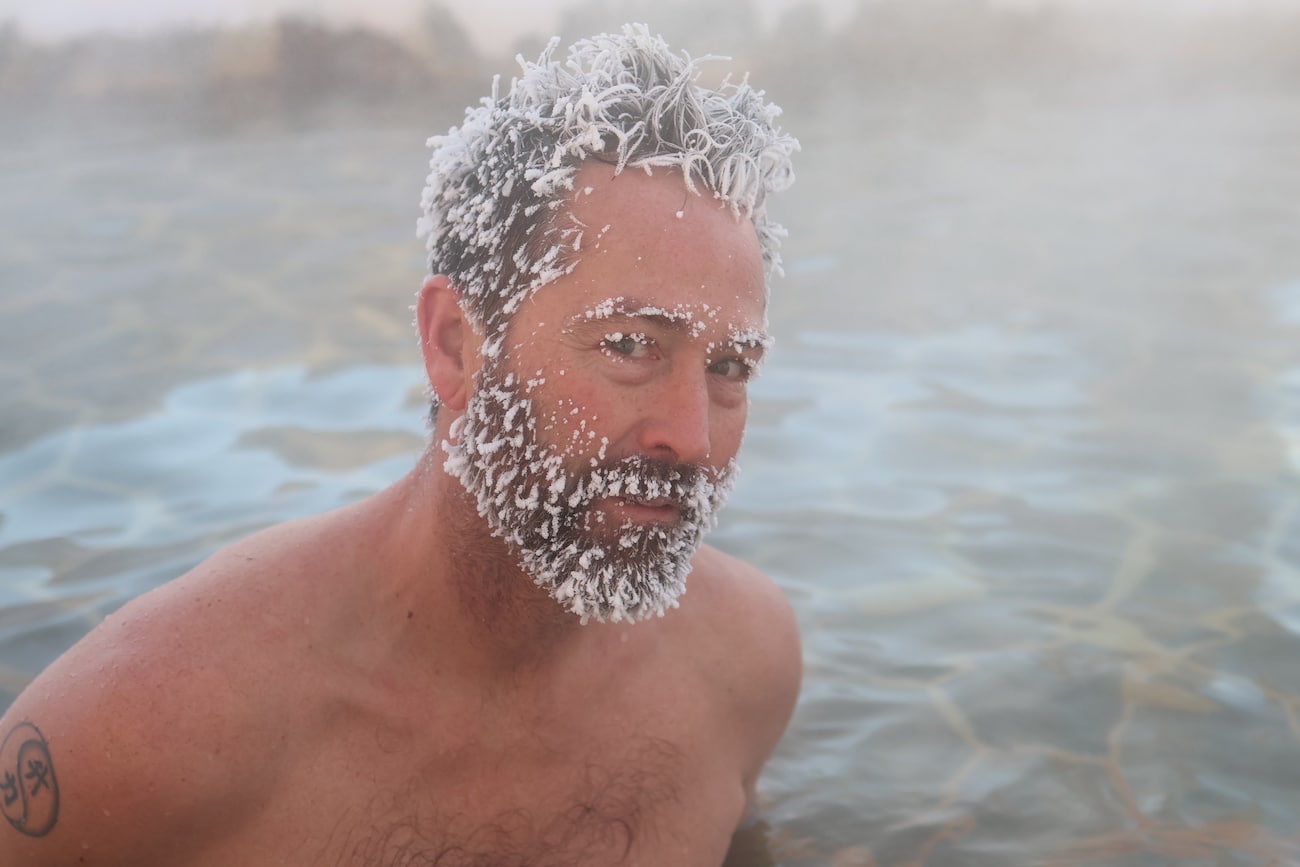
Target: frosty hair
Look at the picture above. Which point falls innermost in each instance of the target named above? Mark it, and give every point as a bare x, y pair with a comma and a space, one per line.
498, 182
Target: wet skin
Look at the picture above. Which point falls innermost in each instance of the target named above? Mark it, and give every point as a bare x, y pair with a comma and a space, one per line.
382, 685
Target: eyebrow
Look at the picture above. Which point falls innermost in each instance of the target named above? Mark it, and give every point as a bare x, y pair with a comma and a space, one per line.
684, 322
751, 338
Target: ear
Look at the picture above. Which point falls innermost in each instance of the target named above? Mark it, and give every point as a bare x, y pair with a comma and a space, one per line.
448, 342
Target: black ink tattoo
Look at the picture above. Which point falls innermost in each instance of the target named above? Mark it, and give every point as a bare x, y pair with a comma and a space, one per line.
29, 791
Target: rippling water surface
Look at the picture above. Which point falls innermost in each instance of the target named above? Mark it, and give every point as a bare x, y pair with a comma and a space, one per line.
1025, 458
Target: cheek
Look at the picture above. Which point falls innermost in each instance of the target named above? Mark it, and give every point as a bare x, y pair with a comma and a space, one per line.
727, 432
569, 424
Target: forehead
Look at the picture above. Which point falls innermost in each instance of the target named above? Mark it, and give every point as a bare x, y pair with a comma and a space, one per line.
649, 238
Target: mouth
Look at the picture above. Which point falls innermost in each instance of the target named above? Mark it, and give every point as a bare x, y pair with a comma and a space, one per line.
660, 510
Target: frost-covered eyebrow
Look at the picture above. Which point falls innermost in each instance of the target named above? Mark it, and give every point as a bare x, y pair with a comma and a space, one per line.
750, 339
681, 320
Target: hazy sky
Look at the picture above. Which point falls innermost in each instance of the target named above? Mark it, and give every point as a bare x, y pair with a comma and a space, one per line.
494, 24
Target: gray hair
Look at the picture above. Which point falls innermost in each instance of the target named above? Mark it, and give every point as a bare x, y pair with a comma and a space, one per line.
625, 99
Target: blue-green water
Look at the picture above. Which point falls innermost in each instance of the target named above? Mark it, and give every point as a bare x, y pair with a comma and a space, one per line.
1025, 457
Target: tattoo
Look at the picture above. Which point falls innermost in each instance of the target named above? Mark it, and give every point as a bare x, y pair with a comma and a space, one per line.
29, 791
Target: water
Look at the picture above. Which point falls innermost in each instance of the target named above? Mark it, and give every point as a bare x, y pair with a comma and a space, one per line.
1024, 458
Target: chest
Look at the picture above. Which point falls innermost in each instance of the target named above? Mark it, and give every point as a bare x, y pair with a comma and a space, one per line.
629, 795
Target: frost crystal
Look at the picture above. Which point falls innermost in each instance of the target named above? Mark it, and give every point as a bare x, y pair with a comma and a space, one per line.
542, 504
493, 218
496, 222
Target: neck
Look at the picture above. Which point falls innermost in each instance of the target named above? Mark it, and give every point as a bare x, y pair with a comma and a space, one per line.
502, 621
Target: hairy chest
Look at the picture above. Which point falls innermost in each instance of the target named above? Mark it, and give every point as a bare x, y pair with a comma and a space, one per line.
646, 802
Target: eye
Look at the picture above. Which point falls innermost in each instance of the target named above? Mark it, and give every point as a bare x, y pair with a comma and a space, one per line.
734, 369
626, 345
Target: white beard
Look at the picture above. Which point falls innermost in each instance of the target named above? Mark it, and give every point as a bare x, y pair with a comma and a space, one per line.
541, 508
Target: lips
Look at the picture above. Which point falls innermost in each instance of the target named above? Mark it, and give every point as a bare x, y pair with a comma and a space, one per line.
655, 503
659, 510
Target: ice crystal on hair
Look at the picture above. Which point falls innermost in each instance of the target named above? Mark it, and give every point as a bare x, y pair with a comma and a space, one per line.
494, 217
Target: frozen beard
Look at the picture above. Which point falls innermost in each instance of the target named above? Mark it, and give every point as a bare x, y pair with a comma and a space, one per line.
542, 507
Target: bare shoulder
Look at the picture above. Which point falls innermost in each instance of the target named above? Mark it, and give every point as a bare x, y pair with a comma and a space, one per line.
752, 637
140, 732
743, 602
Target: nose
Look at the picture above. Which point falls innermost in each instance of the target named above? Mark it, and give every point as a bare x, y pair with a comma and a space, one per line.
676, 420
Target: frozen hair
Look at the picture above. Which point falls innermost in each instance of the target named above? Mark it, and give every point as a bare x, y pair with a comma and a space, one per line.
497, 181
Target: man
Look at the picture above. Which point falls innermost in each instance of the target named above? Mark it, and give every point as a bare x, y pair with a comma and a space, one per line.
487, 663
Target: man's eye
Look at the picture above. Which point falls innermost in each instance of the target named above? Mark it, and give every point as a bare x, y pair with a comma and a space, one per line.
736, 369
628, 345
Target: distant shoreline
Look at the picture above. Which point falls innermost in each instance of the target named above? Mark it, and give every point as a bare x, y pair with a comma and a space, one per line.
300, 70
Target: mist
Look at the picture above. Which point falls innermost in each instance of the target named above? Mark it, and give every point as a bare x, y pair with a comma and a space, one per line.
221, 65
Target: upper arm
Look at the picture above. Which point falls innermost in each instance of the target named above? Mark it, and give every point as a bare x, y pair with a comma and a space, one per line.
105, 758
773, 665
764, 658
70, 795
778, 675
57, 767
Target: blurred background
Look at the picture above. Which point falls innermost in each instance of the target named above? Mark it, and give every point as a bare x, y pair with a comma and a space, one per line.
1024, 458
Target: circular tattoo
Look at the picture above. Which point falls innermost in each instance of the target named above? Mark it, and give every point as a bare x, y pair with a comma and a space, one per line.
29, 793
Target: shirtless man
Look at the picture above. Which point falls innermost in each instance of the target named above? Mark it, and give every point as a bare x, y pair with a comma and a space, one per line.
486, 663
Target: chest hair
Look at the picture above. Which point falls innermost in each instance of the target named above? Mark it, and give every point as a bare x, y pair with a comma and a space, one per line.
603, 816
